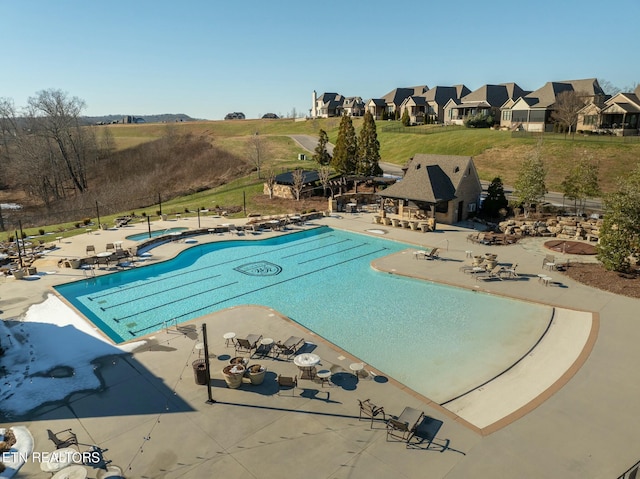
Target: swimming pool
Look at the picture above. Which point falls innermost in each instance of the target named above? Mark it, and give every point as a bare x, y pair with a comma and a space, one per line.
154, 233
322, 279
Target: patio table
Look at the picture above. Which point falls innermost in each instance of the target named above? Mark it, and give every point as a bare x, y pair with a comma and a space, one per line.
307, 362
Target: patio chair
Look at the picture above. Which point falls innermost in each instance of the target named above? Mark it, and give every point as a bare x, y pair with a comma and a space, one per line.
370, 410
287, 382
110, 247
91, 249
249, 344
290, 347
549, 262
65, 438
403, 427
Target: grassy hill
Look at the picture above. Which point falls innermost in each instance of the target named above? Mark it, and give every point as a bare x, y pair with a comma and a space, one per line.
496, 153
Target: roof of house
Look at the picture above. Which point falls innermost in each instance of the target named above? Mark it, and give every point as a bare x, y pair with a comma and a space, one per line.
442, 94
309, 176
494, 95
430, 178
398, 95
546, 96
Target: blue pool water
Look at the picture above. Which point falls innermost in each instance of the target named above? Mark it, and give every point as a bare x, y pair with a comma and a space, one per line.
420, 333
154, 234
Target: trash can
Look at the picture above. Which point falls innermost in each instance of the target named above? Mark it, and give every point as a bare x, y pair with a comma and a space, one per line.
200, 372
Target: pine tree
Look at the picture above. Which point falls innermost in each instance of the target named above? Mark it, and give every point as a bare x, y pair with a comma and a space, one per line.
321, 155
495, 200
405, 118
368, 148
346, 150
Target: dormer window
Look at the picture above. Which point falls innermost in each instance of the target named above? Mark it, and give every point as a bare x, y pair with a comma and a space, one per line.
456, 169
418, 166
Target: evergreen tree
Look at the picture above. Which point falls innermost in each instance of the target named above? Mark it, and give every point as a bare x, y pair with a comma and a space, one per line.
368, 148
321, 155
495, 200
405, 118
346, 150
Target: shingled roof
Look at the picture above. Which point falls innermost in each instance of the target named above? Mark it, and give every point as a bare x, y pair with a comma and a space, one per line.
430, 178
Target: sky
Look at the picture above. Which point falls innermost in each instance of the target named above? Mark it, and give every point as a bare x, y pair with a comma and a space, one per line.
206, 59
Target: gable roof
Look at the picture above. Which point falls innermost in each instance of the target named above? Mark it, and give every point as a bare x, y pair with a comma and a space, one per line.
494, 95
398, 95
430, 178
442, 94
546, 96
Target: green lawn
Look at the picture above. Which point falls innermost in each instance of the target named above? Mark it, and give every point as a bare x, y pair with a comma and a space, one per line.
496, 153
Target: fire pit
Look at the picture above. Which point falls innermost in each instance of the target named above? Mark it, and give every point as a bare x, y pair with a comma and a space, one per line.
570, 247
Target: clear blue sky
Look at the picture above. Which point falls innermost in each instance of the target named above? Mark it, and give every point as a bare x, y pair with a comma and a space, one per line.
207, 58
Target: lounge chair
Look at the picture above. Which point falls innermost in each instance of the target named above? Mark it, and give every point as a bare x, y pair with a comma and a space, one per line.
249, 344
403, 427
63, 438
287, 382
110, 247
495, 273
290, 347
432, 254
91, 249
370, 410
510, 272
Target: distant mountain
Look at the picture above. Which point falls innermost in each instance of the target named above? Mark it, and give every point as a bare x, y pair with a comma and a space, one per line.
112, 119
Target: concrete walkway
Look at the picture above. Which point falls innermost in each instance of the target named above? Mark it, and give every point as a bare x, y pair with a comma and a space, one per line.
577, 392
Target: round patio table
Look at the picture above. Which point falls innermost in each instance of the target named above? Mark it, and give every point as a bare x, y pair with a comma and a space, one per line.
306, 362
104, 254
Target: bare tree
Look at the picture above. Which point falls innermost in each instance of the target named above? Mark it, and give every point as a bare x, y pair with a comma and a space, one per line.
298, 182
271, 182
324, 173
257, 151
565, 110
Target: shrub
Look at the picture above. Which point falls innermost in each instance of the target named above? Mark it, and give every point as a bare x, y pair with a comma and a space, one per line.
41, 231
186, 210
158, 212
77, 225
86, 221
144, 214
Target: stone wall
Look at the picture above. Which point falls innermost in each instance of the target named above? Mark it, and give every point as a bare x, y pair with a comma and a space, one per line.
560, 227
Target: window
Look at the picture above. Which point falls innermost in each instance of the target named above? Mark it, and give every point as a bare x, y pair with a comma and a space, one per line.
590, 119
506, 115
471, 207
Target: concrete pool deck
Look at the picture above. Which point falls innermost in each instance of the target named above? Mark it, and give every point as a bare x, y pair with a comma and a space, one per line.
579, 426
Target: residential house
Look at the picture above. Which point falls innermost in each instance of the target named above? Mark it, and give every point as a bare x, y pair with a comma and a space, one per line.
445, 187
618, 115
416, 107
377, 107
486, 101
352, 106
431, 103
326, 105
532, 112
437, 97
393, 100
236, 115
